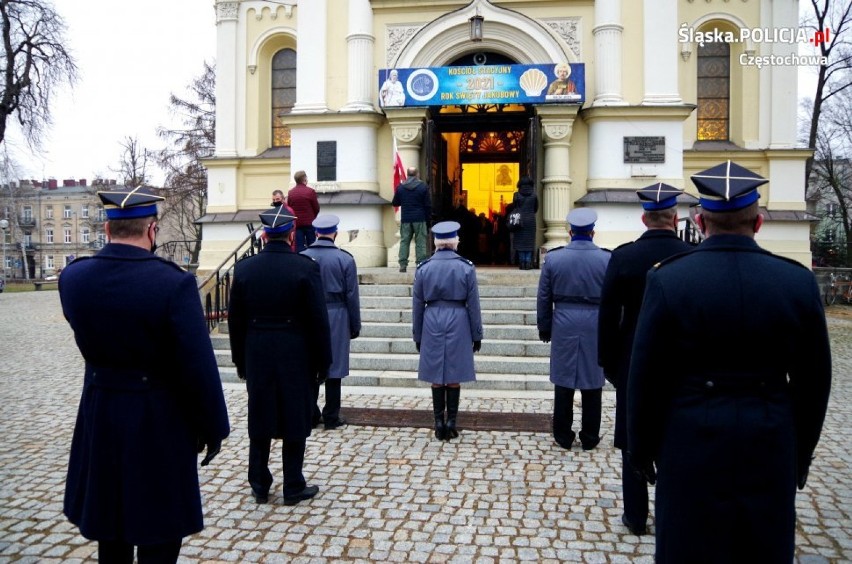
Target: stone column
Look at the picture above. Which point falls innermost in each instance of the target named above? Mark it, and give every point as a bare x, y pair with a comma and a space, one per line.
784, 89
607, 33
311, 57
360, 43
661, 53
557, 123
227, 16
407, 129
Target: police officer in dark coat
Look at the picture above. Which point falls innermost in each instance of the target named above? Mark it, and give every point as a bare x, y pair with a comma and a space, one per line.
446, 325
281, 346
152, 396
621, 297
340, 281
728, 385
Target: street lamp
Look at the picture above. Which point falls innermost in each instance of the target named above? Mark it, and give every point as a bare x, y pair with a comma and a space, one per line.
4, 225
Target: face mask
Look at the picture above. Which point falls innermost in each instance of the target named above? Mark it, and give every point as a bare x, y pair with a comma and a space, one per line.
277, 204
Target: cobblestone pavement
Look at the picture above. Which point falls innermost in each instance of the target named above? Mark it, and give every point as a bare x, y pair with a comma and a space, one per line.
387, 494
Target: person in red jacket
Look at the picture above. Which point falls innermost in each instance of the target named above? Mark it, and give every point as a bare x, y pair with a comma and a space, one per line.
303, 201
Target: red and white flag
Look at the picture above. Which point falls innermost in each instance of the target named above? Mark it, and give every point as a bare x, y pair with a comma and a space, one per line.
398, 169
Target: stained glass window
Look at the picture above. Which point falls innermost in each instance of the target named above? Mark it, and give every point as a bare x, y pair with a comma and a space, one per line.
283, 94
714, 91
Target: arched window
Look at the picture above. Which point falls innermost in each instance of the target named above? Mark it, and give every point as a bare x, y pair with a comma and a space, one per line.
283, 94
714, 91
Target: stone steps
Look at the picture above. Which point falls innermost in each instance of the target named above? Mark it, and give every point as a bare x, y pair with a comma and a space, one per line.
512, 357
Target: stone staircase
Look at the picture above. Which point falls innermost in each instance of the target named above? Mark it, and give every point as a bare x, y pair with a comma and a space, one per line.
512, 357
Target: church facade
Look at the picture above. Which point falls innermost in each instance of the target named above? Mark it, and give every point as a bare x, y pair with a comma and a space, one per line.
591, 99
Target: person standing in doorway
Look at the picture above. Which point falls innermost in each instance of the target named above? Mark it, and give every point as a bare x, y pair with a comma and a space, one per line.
340, 281
281, 346
447, 325
729, 383
152, 397
621, 297
412, 196
302, 199
525, 201
569, 293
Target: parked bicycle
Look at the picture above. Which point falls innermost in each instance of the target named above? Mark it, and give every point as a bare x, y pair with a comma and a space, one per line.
839, 287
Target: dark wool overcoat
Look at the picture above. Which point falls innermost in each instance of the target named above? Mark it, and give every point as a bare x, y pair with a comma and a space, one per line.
727, 391
340, 281
151, 391
621, 296
280, 339
446, 318
526, 202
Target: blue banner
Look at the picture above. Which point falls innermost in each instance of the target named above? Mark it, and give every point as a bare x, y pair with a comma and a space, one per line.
483, 84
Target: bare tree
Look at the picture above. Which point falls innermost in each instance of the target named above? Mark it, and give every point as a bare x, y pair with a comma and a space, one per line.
835, 76
133, 164
185, 186
35, 62
831, 181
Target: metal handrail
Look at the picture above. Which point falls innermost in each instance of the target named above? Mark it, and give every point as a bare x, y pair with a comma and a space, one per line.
690, 232
215, 289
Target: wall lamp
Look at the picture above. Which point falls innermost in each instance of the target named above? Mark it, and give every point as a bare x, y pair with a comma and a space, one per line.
476, 24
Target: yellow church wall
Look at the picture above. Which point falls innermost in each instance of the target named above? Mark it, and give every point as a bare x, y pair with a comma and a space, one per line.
632, 53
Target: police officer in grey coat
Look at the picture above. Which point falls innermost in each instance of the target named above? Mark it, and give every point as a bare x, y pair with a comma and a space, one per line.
447, 325
569, 292
340, 281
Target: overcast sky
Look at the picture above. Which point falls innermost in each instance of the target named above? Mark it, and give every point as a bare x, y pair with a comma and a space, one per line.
132, 55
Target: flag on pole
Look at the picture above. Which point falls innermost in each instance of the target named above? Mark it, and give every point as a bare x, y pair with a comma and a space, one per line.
398, 169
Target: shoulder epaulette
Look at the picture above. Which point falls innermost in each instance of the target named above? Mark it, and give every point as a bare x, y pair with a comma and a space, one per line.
422, 263
670, 259
171, 263
470, 262
556, 248
628, 243
345, 251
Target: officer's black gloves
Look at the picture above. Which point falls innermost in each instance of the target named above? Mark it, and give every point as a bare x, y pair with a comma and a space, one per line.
418, 346
544, 336
322, 377
644, 468
354, 334
476, 346
213, 448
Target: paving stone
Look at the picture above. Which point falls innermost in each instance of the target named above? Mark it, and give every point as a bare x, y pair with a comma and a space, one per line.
387, 493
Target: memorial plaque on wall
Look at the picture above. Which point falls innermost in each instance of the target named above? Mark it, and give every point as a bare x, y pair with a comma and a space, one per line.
326, 161
644, 149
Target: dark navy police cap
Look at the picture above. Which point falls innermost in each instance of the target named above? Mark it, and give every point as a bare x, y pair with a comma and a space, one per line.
275, 220
326, 223
582, 219
658, 196
446, 229
129, 204
727, 187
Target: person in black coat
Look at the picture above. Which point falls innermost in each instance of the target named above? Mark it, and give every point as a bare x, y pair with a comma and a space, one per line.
152, 397
526, 202
728, 386
281, 346
621, 297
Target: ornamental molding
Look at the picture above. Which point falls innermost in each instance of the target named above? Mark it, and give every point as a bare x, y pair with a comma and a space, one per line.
227, 11
396, 36
570, 31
